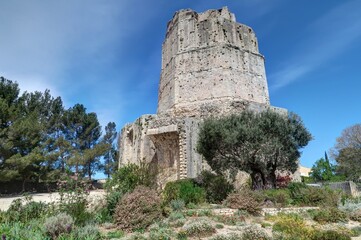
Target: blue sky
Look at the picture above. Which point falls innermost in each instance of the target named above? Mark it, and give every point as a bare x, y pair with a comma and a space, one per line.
107, 54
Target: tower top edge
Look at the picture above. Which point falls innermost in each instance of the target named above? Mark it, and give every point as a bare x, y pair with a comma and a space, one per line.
202, 16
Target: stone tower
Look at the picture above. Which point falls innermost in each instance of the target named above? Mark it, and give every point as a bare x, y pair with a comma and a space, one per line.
211, 66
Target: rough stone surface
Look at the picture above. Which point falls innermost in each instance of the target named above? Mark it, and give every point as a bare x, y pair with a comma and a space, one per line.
211, 66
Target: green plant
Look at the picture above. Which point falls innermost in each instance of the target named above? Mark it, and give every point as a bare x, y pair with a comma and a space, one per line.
234, 219
219, 226
138, 209
329, 235
184, 189
126, 178
329, 215
253, 232
291, 226
19, 231
177, 204
115, 234
279, 197
161, 233
175, 216
199, 227
216, 186
59, 224
112, 199
88, 232
245, 199
229, 236
24, 210
74, 199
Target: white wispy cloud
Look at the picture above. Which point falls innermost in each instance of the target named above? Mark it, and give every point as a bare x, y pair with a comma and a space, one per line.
328, 36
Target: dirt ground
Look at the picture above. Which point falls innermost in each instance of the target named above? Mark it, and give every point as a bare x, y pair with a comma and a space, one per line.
43, 197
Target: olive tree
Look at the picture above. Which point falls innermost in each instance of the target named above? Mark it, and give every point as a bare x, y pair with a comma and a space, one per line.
257, 143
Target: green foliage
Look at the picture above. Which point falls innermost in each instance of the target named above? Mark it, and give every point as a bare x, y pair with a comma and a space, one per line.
161, 233
138, 209
291, 226
246, 200
130, 176
88, 232
303, 195
198, 228
253, 232
229, 236
177, 204
329, 235
323, 171
24, 210
216, 186
258, 143
112, 199
347, 152
279, 197
111, 153
74, 200
329, 215
184, 189
59, 224
39, 139
19, 231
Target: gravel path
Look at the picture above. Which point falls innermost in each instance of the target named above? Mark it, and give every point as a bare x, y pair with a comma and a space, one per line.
44, 197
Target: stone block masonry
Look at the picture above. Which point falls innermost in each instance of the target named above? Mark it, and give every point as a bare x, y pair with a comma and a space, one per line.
211, 67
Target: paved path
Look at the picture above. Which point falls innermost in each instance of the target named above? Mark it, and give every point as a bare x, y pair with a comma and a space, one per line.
43, 197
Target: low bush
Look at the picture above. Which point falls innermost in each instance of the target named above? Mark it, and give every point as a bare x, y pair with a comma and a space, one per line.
161, 233
200, 227
246, 200
128, 177
24, 210
184, 189
229, 236
88, 232
356, 215
279, 197
291, 226
216, 186
329, 215
177, 204
329, 235
253, 232
59, 224
19, 231
304, 195
138, 209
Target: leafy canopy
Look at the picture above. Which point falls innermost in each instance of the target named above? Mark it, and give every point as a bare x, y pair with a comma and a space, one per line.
258, 143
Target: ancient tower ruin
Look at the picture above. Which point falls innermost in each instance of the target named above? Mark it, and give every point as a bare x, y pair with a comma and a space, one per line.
211, 66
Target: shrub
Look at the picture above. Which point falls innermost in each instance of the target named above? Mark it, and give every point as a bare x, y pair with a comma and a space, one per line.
329, 235
279, 197
88, 232
59, 224
112, 199
329, 215
302, 194
291, 226
177, 204
199, 227
25, 212
216, 186
138, 209
229, 236
18, 231
161, 233
356, 215
74, 199
246, 199
184, 189
253, 232
130, 176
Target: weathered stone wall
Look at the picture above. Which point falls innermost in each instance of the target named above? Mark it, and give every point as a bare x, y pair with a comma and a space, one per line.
209, 57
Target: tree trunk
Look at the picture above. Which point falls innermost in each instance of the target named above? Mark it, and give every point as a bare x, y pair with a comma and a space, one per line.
258, 179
